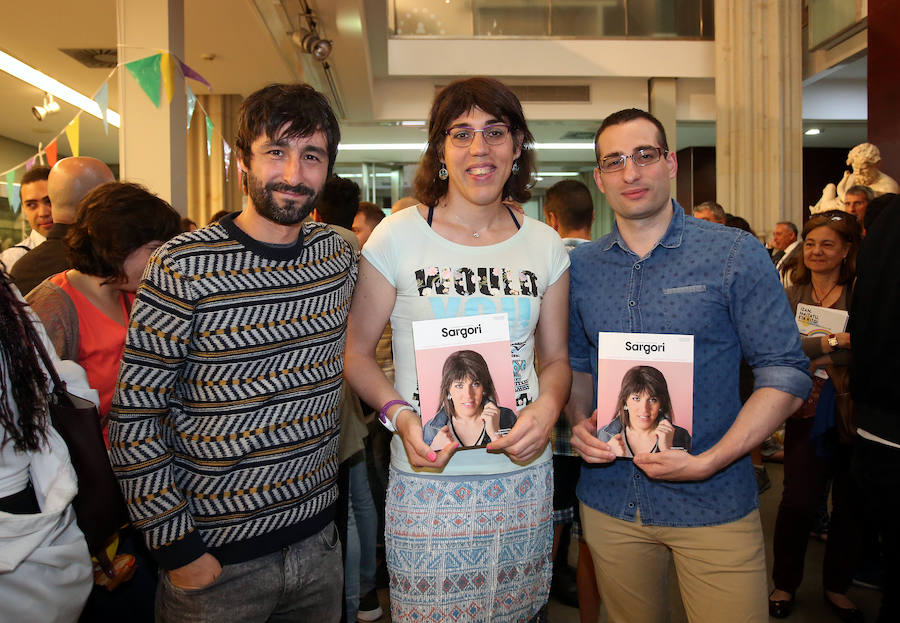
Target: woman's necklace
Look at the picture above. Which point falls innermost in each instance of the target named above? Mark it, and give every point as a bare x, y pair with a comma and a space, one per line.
819, 299
475, 232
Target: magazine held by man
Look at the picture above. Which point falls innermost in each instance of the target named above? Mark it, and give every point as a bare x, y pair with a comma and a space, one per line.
465, 374
645, 398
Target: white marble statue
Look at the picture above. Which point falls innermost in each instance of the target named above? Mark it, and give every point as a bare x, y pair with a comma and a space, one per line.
864, 159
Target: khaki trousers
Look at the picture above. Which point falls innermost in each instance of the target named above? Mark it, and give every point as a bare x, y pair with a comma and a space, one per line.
721, 569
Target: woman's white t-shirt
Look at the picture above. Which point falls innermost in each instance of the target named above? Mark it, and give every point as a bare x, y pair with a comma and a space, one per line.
436, 278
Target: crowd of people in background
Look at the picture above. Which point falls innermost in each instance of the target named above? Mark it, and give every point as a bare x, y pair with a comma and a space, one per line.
258, 397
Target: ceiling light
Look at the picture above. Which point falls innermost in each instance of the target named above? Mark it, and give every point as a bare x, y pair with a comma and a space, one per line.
42, 81
422, 146
412, 124
813, 131
311, 42
557, 173
48, 107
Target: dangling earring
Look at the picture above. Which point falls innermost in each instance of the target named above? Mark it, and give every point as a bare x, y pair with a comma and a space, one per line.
515, 167
449, 397
442, 173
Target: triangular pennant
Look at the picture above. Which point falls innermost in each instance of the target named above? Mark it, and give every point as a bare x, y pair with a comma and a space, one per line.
146, 72
209, 131
12, 192
226, 153
72, 131
191, 103
167, 71
51, 152
190, 73
102, 99
30, 164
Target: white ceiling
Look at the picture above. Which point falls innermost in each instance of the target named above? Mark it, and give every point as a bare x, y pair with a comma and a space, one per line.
249, 44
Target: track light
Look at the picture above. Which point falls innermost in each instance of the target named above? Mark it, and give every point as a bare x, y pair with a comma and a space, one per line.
49, 106
311, 42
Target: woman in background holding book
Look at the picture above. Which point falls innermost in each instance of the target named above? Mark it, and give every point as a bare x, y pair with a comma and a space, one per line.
467, 532
823, 279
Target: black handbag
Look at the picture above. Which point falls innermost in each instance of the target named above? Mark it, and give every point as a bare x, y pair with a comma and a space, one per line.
99, 505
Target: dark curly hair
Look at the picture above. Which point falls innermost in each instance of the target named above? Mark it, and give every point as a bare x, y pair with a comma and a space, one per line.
455, 99
113, 220
24, 382
297, 108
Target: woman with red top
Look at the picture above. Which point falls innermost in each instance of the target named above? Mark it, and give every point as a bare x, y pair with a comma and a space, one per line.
86, 309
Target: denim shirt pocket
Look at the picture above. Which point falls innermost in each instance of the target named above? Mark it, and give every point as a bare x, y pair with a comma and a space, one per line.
688, 309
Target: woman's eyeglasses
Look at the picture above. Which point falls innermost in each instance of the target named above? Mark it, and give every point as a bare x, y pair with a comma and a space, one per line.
641, 157
494, 134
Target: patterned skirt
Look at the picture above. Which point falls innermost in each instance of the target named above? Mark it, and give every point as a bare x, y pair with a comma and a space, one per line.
469, 548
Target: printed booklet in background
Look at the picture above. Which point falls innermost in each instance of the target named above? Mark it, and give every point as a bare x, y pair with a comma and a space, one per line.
812, 321
645, 386
465, 374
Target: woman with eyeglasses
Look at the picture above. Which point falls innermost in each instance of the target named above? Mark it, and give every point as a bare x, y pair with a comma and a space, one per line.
824, 278
467, 531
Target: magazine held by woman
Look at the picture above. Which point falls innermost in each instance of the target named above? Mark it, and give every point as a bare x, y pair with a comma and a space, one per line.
465, 373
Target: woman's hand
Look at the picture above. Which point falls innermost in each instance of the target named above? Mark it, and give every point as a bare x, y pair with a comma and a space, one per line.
420, 454
442, 439
529, 435
490, 415
665, 434
198, 573
591, 449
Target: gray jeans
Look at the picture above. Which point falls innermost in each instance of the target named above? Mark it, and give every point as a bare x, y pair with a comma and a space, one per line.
302, 582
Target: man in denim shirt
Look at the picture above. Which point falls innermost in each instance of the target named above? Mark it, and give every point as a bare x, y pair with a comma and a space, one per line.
659, 272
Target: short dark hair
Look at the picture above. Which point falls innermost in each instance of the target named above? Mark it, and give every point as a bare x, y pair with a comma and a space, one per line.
461, 365
876, 207
303, 110
371, 212
859, 189
35, 175
790, 226
338, 201
458, 98
571, 202
739, 222
846, 226
113, 220
641, 379
624, 116
716, 208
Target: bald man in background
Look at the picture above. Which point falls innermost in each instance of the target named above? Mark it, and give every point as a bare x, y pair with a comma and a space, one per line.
71, 179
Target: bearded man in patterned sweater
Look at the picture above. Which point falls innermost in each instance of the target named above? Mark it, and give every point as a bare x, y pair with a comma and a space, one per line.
224, 428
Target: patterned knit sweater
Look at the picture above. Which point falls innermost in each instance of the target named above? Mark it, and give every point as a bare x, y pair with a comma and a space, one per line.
224, 425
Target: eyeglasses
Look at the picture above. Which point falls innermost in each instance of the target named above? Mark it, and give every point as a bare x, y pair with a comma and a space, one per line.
641, 157
494, 134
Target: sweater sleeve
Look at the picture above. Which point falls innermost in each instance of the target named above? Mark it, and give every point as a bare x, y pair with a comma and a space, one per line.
140, 435
58, 314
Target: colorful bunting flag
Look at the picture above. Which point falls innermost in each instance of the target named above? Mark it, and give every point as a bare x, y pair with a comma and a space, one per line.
30, 164
147, 73
226, 153
12, 192
209, 131
167, 71
190, 73
191, 103
102, 99
72, 131
51, 152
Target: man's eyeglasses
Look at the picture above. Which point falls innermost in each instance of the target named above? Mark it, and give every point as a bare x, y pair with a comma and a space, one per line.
641, 157
494, 134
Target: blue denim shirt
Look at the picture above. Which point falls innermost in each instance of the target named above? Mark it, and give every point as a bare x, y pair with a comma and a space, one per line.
718, 284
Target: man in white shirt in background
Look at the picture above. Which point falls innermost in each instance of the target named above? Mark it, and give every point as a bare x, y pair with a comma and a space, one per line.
36, 207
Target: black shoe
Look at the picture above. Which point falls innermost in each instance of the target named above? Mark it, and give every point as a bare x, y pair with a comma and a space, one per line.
369, 608
847, 615
563, 587
781, 608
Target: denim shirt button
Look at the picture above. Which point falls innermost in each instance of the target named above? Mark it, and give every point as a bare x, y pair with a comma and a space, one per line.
631, 303
631, 505
637, 266
637, 476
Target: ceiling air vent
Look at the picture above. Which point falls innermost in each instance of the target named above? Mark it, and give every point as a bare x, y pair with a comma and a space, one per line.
577, 135
547, 93
93, 57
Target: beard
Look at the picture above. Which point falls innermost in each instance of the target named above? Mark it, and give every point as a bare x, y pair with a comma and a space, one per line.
291, 211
